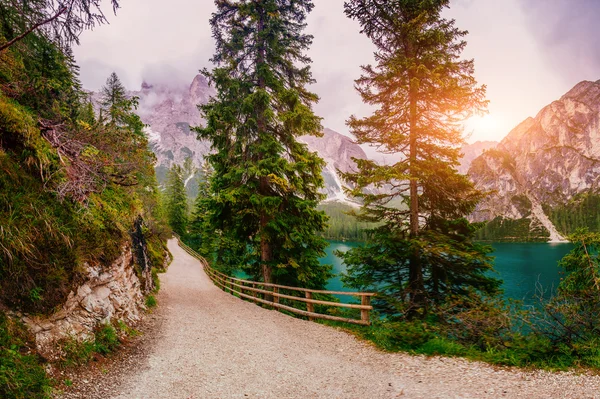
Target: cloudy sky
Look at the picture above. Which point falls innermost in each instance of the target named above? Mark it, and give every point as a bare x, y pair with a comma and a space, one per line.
527, 52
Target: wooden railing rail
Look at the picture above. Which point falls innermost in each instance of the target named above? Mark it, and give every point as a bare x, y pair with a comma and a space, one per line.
253, 290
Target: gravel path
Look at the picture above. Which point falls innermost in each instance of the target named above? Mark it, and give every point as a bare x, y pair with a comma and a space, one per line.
210, 344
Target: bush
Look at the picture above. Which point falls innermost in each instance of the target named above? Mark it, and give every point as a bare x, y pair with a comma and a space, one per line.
151, 302
21, 374
395, 336
106, 340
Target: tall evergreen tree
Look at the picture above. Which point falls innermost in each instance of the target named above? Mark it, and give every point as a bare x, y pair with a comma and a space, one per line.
123, 134
201, 235
176, 201
422, 91
266, 182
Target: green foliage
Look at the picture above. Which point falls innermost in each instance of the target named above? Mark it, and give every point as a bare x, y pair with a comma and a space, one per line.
583, 211
515, 349
571, 317
422, 253
107, 339
560, 336
176, 201
151, 302
202, 238
265, 185
22, 375
502, 229
70, 185
342, 225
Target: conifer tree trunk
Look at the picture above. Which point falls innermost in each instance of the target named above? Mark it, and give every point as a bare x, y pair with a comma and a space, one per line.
266, 253
415, 273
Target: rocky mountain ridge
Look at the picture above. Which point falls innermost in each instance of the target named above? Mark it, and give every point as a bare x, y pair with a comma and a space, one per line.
170, 112
544, 162
471, 151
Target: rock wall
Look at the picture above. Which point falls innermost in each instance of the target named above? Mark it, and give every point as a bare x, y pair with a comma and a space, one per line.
108, 294
548, 159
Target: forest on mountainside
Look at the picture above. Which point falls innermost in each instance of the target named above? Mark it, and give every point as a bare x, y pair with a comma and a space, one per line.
342, 225
583, 211
73, 182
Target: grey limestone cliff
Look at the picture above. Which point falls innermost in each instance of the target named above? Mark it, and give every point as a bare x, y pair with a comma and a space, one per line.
545, 160
169, 113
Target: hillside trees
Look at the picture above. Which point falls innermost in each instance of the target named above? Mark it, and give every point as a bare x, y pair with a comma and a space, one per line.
123, 134
200, 235
423, 253
71, 186
176, 201
265, 183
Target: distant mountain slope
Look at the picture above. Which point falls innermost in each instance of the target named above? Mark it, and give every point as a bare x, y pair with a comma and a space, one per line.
472, 151
545, 162
338, 151
169, 113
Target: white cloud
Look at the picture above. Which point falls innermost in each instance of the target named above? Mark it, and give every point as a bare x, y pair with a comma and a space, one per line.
171, 41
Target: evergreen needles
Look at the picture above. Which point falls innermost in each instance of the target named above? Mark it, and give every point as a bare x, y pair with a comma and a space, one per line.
265, 182
423, 254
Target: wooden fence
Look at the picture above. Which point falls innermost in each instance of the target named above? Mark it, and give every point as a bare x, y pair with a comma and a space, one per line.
282, 297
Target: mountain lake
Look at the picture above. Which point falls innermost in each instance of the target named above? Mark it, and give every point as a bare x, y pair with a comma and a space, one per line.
524, 268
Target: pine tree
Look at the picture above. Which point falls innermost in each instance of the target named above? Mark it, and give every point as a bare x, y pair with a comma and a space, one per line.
422, 91
123, 135
266, 183
176, 201
201, 236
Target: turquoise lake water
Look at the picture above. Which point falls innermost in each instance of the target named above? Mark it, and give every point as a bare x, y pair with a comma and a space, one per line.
523, 267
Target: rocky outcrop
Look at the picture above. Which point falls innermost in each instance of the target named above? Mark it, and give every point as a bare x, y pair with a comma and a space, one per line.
472, 151
108, 294
548, 159
338, 151
170, 112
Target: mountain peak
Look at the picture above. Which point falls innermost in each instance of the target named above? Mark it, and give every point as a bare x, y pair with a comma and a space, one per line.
546, 160
199, 83
586, 91
146, 85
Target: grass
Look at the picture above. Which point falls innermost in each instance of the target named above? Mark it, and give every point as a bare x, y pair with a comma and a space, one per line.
22, 375
107, 339
522, 351
151, 301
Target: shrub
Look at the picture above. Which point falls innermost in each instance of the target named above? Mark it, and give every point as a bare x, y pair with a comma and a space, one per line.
151, 302
21, 374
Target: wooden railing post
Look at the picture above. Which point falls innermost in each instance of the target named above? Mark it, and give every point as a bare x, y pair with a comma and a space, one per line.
364, 313
276, 297
309, 306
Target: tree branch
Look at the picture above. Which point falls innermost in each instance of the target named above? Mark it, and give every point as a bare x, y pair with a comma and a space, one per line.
34, 27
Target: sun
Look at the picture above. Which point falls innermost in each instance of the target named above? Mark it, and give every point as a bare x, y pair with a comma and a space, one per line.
482, 126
